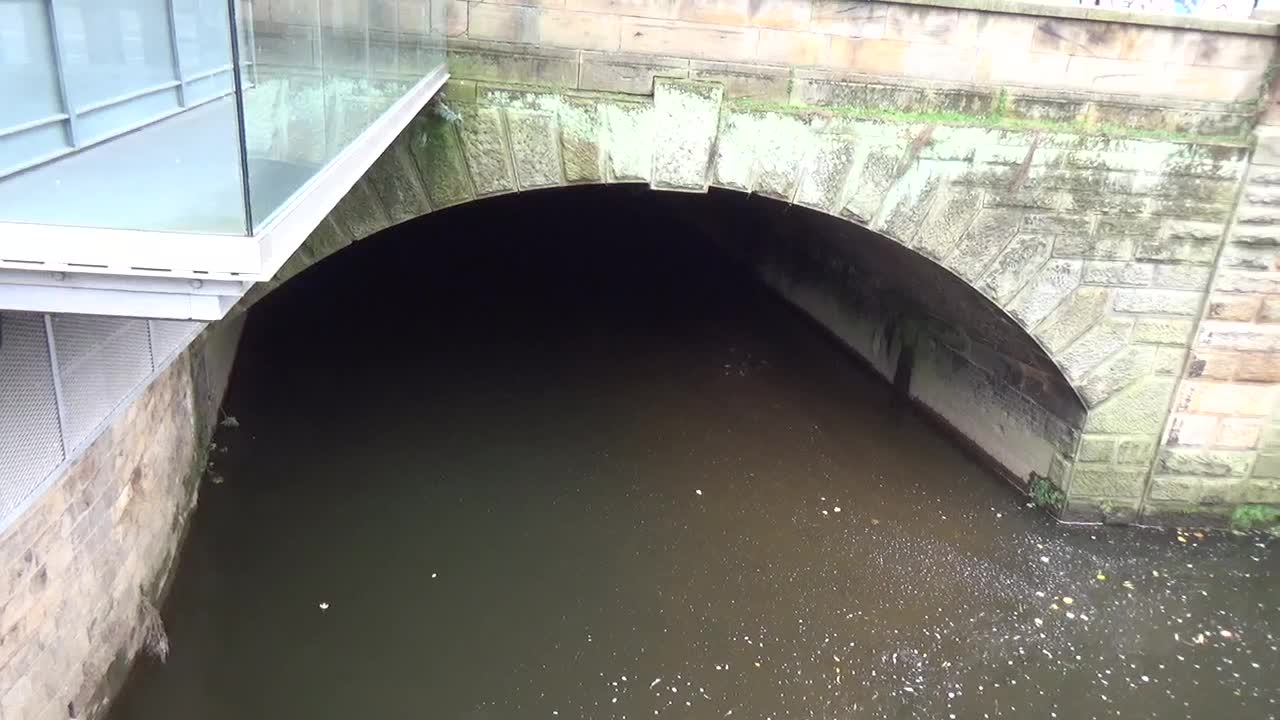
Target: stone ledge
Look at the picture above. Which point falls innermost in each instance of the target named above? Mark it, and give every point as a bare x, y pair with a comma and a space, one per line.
1128, 17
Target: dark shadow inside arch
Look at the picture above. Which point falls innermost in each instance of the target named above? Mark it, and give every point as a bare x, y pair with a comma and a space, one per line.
527, 282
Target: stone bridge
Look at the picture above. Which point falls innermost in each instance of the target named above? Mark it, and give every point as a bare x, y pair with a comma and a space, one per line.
1074, 261
1053, 228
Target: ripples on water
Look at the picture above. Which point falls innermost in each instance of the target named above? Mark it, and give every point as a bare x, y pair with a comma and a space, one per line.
563, 474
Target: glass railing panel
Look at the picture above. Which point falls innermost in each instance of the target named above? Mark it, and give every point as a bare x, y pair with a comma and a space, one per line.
322, 72
126, 117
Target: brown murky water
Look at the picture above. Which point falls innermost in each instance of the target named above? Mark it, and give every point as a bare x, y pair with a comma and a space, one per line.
563, 475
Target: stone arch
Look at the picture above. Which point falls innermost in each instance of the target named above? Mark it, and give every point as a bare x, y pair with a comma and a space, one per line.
1045, 225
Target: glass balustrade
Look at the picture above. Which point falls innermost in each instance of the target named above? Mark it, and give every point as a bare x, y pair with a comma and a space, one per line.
125, 114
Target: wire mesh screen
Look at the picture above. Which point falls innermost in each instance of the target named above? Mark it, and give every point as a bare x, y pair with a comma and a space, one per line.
170, 336
30, 436
100, 360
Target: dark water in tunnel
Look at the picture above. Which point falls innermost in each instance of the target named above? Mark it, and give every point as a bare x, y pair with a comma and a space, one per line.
553, 457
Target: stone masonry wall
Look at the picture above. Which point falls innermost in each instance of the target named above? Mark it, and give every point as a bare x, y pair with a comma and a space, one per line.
78, 566
1099, 248
1028, 61
1222, 446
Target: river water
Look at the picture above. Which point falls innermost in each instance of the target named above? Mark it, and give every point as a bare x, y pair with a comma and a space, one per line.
551, 457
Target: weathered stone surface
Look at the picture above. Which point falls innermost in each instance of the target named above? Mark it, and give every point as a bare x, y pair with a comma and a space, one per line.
627, 73
1118, 372
1163, 331
359, 212
1097, 247
1096, 448
946, 221
535, 148
873, 178
1094, 346
1118, 274
487, 154
1182, 277
823, 180
580, 140
908, 202
628, 143
1106, 481
1070, 319
1169, 360
1135, 451
1161, 302
1014, 267
1178, 489
395, 181
1220, 463
435, 148
687, 118
1055, 281
1136, 410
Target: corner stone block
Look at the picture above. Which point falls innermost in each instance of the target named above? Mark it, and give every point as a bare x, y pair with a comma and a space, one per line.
1070, 319
1094, 346
687, 116
1117, 373
1055, 281
1106, 481
987, 236
488, 157
1015, 266
535, 149
1139, 409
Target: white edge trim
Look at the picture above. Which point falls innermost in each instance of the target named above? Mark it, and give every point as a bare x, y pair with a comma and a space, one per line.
130, 254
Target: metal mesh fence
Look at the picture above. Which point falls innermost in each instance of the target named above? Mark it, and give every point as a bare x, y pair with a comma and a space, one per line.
61, 378
170, 336
99, 360
30, 436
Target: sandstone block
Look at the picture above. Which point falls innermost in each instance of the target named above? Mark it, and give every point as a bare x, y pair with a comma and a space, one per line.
1163, 331
1161, 302
1112, 273
837, 17
783, 14
1094, 346
1106, 481
535, 149
740, 80
1055, 281
1096, 449
487, 153
988, 235
1137, 410
687, 119
1014, 267
785, 47
1182, 277
1239, 433
1259, 367
1069, 321
1232, 336
626, 73
1216, 463
678, 39
1135, 451
1233, 307
948, 219
1191, 430
1117, 372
